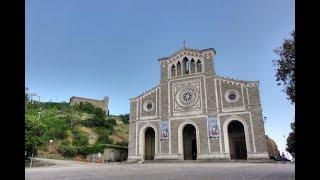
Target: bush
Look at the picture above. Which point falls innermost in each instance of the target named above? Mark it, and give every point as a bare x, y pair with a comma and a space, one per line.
55, 105
95, 122
34, 131
56, 127
124, 118
91, 109
123, 143
104, 136
110, 121
68, 150
80, 138
114, 146
87, 150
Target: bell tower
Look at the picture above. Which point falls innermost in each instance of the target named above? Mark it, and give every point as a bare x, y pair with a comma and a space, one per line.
187, 62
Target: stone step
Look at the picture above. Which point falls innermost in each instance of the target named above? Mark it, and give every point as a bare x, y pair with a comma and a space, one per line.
211, 160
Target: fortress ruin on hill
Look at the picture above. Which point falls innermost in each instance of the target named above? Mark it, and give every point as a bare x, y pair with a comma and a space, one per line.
103, 104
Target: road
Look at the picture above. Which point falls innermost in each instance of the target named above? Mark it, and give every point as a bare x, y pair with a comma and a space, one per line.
71, 170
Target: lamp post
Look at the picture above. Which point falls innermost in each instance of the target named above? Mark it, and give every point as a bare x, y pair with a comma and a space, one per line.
50, 145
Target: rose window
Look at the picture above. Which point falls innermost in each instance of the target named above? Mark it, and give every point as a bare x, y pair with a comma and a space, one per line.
187, 96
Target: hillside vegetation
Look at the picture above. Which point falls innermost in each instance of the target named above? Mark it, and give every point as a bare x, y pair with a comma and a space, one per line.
76, 130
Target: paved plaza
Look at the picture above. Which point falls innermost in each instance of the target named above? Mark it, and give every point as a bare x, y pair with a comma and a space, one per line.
155, 171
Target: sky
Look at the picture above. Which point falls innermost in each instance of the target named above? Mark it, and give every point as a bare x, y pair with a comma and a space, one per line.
97, 48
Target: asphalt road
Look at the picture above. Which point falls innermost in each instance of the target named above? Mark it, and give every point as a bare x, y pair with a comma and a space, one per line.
70, 170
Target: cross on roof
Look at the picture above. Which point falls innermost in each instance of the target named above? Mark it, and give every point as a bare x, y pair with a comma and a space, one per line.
184, 44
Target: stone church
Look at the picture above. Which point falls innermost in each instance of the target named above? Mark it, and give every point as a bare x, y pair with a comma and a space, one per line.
193, 113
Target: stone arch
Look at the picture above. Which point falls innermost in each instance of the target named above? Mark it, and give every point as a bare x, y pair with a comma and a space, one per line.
142, 139
180, 137
178, 68
192, 66
173, 70
226, 135
199, 66
186, 65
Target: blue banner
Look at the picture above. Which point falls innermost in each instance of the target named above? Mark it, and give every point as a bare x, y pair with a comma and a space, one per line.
164, 131
213, 129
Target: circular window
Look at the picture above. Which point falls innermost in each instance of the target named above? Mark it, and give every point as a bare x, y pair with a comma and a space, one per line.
187, 96
148, 105
232, 96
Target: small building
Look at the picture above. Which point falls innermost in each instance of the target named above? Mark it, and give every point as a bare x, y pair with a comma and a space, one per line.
112, 153
103, 104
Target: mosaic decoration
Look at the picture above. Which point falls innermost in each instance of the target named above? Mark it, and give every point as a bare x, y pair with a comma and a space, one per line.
213, 129
164, 131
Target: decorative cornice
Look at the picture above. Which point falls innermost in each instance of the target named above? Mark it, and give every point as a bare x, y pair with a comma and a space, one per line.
146, 93
237, 81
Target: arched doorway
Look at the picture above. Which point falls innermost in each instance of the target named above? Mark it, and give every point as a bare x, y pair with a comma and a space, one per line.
149, 144
189, 142
237, 142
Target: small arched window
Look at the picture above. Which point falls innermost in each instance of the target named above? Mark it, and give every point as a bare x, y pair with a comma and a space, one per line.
192, 66
199, 66
178, 68
173, 70
186, 66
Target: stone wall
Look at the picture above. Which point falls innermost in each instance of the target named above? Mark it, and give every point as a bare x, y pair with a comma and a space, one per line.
109, 155
103, 104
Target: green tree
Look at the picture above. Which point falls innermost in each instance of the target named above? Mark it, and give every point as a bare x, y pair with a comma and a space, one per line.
285, 65
125, 118
72, 119
291, 143
34, 131
27, 95
285, 75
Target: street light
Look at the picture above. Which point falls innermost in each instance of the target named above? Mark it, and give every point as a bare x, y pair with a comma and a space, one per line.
50, 145
39, 114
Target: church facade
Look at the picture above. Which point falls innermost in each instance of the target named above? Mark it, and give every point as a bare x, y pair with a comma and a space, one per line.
193, 113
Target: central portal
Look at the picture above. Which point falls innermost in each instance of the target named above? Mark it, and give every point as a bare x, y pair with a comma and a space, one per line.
149, 144
237, 141
189, 143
